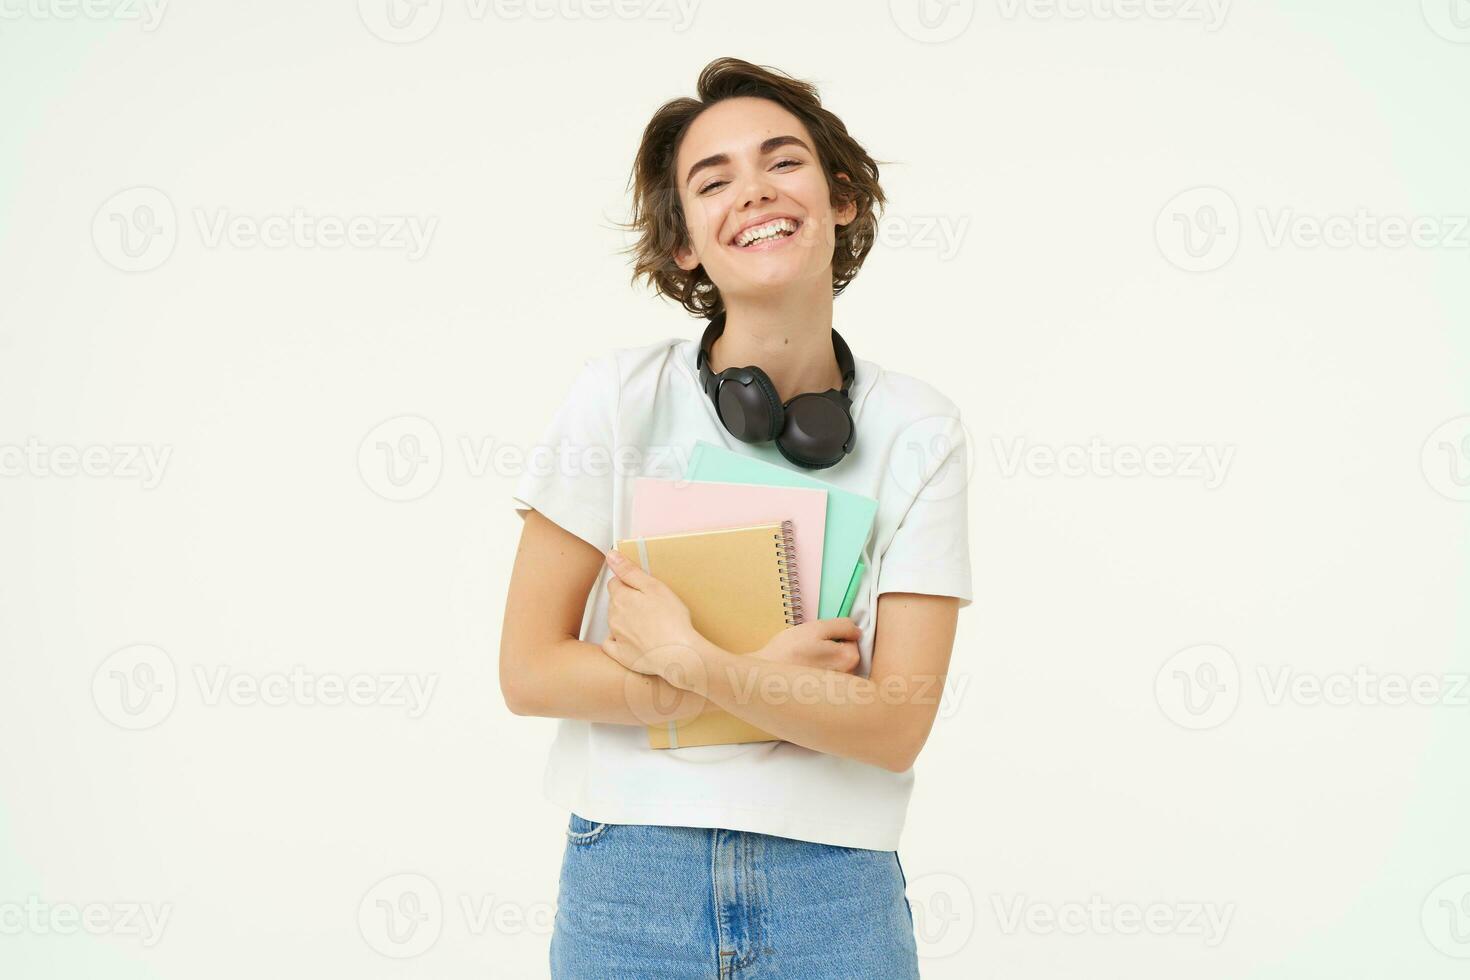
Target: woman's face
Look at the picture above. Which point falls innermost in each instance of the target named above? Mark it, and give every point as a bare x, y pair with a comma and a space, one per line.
744, 160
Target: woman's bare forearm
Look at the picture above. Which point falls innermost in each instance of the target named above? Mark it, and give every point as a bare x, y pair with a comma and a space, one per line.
575, 679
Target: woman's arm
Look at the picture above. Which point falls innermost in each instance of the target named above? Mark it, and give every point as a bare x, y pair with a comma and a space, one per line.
882, 719
544, 668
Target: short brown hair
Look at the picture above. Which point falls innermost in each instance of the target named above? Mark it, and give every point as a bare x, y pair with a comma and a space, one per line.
658, 215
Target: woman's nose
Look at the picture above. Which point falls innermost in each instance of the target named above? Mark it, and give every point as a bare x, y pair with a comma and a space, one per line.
755, 189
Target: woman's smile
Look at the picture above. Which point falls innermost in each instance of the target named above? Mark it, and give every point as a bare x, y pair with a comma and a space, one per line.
776, 241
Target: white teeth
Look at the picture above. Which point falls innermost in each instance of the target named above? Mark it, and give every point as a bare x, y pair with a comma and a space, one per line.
768, 230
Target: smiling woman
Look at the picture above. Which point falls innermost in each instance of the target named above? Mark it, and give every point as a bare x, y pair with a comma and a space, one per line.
754, 208
752, 120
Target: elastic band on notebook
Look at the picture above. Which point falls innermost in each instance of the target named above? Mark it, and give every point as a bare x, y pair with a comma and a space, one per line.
643, 563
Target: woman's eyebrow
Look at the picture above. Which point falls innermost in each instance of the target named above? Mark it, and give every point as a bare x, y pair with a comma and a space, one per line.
720, 159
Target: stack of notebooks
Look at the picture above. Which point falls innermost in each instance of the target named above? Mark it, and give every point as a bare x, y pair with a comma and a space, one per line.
752, 548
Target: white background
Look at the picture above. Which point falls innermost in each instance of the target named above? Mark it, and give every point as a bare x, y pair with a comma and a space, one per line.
329, 501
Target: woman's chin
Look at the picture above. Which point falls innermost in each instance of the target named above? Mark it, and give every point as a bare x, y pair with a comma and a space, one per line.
773, 276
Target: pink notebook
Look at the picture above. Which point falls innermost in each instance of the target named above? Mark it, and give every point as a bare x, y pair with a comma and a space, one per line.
674, 506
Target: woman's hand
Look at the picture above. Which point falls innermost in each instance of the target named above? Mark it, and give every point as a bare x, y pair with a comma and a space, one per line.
830, 644
646, 621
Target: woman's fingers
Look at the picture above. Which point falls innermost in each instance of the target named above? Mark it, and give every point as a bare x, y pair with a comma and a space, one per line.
839, 628
628, 573
848, 657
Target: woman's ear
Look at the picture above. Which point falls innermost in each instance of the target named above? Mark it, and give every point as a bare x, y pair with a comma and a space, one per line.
685, 258
848, 211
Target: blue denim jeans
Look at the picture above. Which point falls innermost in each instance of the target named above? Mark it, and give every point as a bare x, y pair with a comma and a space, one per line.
645, 902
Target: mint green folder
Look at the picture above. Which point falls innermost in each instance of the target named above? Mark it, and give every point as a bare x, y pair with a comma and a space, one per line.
852, 589
849, 517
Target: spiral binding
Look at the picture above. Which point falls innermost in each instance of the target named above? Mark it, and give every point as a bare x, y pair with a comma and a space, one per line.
790, 578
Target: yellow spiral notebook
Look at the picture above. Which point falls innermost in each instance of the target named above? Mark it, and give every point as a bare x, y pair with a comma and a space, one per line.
742, 588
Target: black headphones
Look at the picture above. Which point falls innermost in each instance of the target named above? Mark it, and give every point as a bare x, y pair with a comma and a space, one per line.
813, 430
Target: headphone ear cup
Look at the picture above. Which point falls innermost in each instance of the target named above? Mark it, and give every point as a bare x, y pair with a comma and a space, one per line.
804, 463
819, 430
750, 409
760, 380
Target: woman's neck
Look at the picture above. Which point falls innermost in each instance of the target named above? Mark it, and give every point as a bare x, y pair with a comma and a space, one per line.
792, 343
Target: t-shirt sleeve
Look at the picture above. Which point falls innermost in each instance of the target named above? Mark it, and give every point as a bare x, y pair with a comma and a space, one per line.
929, 552
568, 474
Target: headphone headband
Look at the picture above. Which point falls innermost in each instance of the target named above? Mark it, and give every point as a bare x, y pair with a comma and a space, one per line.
707, 378
814, 429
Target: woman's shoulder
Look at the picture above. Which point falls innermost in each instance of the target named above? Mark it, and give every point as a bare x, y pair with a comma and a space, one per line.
628, 363
907, 396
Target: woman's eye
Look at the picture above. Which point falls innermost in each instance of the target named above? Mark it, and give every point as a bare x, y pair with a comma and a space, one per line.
720, 183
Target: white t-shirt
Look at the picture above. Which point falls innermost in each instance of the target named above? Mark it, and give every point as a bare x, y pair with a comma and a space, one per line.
637, 411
